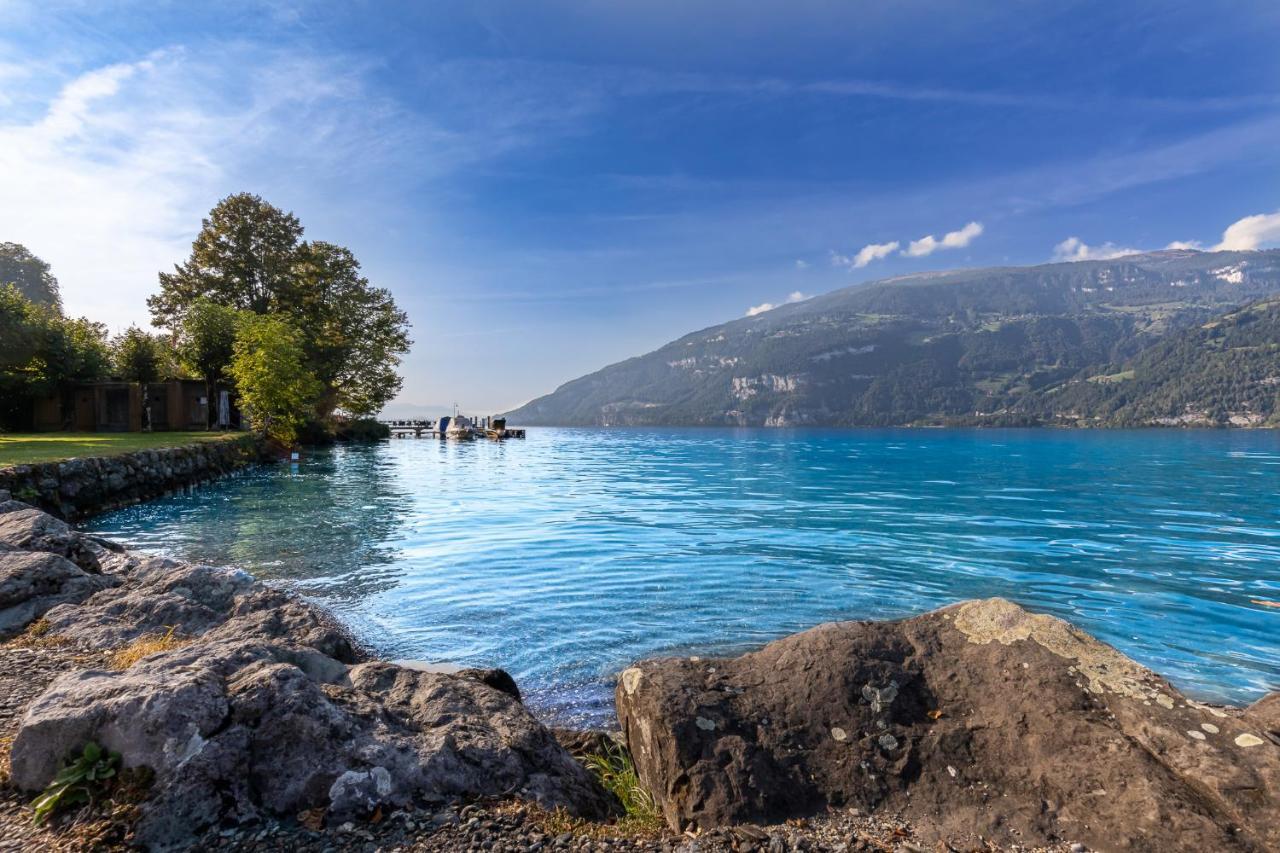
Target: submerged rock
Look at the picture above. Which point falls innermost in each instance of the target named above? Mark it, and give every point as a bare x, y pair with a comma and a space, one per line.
981, 718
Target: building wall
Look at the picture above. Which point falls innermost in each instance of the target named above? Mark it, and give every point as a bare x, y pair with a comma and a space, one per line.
118, 406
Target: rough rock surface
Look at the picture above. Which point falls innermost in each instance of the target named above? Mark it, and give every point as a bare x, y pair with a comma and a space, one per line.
981, 716
33, 582
268, 709
25, 528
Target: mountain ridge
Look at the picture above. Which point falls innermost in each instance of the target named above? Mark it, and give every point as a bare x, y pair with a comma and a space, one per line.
953, 346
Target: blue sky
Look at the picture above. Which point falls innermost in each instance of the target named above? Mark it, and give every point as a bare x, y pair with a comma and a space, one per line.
548, 187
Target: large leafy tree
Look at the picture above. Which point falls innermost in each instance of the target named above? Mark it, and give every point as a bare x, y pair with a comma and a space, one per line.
353, 332
243, 258
29, 274
250, 256
206, 339
268, 365
41, 351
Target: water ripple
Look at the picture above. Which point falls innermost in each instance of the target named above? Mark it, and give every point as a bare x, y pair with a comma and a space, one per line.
565, 557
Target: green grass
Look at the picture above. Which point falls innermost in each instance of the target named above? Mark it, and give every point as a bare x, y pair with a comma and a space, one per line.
31, 447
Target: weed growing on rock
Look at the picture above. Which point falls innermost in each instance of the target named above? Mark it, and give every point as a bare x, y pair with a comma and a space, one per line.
617, 773
81, 781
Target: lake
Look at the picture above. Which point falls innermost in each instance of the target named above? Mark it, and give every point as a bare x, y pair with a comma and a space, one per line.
566, 556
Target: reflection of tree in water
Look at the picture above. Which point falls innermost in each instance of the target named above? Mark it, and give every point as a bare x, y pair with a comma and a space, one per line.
330, 526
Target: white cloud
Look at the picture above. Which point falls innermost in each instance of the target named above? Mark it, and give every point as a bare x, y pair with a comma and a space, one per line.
1075, 249
794, 296
1261, 231
867, 254
802, 265
928, 244
108, 176
1185, 244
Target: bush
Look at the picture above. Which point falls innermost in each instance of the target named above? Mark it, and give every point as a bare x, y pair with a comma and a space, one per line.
361, 430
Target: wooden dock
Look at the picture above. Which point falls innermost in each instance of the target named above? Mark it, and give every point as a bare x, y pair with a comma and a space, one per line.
432, 429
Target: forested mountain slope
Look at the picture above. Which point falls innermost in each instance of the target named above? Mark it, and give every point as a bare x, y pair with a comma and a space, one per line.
979, 345
1223, 373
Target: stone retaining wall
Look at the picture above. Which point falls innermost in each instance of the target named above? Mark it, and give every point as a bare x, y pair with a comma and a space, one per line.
75, 488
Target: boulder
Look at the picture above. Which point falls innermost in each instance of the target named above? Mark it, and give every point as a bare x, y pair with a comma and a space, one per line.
25, 528
34, 582
235, 729
159, 594
977, 719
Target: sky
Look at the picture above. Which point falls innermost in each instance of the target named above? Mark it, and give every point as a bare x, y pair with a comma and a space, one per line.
549, 187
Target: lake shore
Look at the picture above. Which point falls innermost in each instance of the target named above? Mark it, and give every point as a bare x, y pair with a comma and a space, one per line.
263, 669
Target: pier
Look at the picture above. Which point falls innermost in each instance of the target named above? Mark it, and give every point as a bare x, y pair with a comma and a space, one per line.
456, 427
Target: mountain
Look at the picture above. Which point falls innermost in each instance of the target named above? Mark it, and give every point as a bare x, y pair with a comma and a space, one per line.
965, 346
1223, 373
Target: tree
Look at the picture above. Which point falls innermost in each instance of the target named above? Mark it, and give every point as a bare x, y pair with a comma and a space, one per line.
29, 275
137, 356
142, 358
249, 256
41, 352
206, 339
353, 332
243, 258
269, 368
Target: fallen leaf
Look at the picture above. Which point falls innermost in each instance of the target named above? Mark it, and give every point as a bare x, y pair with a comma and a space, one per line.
933, 715
377, 815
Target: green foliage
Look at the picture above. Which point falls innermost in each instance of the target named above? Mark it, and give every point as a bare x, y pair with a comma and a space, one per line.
78, 782
360, 429
354, 332
250, 256
40, 351
617, 774
29, 274
206, 338
268, 365
242, 258
140, 357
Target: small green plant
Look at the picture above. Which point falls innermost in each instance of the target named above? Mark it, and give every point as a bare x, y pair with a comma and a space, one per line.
617, 773
77, 782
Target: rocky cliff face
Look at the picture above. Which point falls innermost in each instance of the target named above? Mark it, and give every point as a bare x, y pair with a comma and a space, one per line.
980, 719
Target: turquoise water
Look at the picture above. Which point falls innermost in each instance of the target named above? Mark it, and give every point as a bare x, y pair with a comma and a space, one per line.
566, 556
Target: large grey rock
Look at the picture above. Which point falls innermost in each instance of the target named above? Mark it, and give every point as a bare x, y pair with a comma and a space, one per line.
978, 719
159, 594
233, 729
25, 528
34, 582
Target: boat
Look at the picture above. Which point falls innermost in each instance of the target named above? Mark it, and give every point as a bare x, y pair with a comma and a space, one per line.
460, 428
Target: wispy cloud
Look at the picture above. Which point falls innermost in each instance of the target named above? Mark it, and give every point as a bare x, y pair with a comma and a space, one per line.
865, 255
1261, 231
108, 178
928, 244
1075, 249
794, 296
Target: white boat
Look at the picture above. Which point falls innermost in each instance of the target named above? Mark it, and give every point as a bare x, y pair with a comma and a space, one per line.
460, 428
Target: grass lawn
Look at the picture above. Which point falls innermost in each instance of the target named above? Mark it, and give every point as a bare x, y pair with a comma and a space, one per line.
25, 448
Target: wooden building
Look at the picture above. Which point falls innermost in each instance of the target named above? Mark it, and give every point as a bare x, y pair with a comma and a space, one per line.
177, 404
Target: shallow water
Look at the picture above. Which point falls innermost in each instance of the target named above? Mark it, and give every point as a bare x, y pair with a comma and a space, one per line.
566, 556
